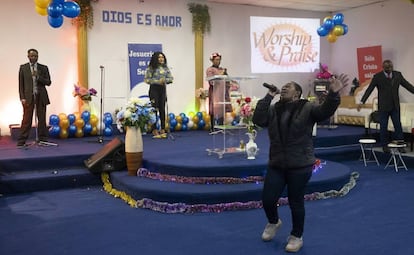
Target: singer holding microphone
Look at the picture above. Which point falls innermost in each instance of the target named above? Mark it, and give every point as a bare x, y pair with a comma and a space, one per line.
217, 92
291, 156
33, 79
158, 75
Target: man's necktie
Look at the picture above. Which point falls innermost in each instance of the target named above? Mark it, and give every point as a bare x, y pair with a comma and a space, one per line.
34, 75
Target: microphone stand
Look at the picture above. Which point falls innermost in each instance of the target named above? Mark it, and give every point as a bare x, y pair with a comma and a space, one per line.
169, 135
100, 138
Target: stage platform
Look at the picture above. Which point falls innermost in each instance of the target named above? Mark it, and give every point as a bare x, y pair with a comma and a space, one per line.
175, 170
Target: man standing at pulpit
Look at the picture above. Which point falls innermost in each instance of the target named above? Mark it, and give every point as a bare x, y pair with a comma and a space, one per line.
388, 82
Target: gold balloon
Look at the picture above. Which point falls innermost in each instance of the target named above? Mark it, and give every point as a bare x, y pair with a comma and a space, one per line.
94, 120
338, 30
41, 11
326, 18
179, 119
63, 133
331, 38
64, 123
195, 119
42, 3
178, 127
94, 130
79, 123
79, 133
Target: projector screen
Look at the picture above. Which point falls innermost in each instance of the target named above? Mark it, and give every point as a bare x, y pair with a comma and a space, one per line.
284, 45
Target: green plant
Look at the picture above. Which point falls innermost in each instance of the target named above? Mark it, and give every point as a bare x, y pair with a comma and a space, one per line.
201, 17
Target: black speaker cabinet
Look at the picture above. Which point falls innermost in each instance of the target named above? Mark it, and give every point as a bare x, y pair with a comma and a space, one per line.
110, 158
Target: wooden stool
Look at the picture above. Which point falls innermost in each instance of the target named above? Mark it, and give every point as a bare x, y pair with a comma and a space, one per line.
396, 156
367, 146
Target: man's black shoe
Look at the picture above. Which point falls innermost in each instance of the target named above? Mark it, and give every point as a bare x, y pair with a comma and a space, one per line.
21, 145
386, 149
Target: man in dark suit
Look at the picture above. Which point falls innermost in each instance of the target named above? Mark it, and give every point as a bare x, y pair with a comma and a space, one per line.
33, 79
388, 83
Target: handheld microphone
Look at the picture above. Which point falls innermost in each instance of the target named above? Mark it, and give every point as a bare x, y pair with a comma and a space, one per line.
271, 87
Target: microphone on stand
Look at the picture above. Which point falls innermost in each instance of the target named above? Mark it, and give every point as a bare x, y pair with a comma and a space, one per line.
271, 87
101, 67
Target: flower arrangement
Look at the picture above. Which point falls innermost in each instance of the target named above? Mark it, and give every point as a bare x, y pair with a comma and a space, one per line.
323, 72
84, 93
137, 113
202, 93
245, 109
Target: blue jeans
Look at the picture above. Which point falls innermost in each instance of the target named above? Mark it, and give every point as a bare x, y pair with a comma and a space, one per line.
396, 121
295, 180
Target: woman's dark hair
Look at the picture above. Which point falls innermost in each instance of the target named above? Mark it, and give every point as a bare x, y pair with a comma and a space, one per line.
154, 60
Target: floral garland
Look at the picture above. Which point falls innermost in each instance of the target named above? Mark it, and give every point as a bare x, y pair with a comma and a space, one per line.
164, 207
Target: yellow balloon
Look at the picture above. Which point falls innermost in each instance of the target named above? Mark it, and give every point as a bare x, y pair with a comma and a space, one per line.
191, 114
79, 132
94, 130
77, 115
79, 123
42, 3
207, 118
179, 119
195, 119
41, 11
62, 116
63, 133
326, 18
195, 126
63, 123
338, 30
94, 120
178, 127
331, 38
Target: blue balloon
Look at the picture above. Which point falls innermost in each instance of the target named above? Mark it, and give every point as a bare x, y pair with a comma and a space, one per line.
53, 120
108, 120
199, 115
182, 115
201, 124
55, 10
234, 123
184, 127
185, 120
55, 22
87, 129
71, 118
171, 116
338, 19
328, 24
72, 130
86, 116
54, 131
71, 9
345, 28
173, 123
322, 31
108, 114
107, 131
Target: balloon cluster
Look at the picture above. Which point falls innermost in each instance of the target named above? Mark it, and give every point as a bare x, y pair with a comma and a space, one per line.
333, 27
56, 9
107, 121
76, 125
194, 121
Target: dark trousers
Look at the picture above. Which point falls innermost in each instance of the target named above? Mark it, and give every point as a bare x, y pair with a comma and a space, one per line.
396, 121
295, 180
26, 123
158, 97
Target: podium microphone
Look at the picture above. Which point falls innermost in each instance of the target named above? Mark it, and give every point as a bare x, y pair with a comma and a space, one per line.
271, 87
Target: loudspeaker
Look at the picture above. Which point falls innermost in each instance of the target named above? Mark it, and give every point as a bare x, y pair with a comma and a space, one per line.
110, 158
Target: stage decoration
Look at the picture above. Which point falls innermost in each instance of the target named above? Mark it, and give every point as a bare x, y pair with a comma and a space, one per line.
138, 116
165, 207
86, 13
201, 17
251, 146
333, 27
56, 10
85, 97
245, 108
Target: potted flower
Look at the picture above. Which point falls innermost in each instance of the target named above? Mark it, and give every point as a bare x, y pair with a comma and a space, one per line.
137, 116
85, 96
245, 108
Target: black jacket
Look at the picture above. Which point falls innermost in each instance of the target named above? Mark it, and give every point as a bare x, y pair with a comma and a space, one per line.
291, 144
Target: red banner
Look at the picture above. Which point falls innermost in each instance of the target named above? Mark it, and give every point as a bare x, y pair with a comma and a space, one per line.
369, 62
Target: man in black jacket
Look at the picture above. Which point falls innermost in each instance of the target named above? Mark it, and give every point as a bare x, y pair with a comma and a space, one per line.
388, 83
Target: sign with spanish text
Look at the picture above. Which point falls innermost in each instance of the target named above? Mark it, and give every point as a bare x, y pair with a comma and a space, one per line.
139, 56
369, 62
284, 45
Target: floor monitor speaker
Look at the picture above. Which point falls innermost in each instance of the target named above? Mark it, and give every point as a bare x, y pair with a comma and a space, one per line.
110, 158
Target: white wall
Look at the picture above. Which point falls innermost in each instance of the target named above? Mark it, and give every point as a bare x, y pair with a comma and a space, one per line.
24, 29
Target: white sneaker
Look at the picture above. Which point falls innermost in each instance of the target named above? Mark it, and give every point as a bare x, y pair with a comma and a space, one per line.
270, 230
294, 244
